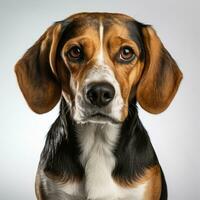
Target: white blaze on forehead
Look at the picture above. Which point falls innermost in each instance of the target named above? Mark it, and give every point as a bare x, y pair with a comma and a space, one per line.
101, 55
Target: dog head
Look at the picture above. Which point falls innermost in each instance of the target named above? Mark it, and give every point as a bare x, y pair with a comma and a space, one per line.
99, 63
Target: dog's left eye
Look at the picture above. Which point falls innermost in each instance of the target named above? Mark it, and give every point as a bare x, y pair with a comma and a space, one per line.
126, 54
75, 53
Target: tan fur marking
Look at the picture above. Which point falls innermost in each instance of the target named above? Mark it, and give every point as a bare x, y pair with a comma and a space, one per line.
38, 191
39, 87
153, 179
161, 77
153, 190
53, 50
148, 175
90, 41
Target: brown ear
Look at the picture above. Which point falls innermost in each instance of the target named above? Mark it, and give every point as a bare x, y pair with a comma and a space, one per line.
35, 72
161, 76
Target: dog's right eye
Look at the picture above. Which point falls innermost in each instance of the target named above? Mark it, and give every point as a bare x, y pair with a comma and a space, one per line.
75, 53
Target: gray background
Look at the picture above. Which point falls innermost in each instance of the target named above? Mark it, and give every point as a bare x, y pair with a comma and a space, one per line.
174, 133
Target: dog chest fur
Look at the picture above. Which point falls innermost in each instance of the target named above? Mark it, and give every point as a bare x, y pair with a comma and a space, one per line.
97, 143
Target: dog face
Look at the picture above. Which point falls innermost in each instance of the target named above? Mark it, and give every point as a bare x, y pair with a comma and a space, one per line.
104, 62
99, 62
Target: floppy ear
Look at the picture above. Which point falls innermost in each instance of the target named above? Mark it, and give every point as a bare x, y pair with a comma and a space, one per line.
161, 76
35, 74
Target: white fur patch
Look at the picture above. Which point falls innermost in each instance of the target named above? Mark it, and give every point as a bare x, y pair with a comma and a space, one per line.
97, 143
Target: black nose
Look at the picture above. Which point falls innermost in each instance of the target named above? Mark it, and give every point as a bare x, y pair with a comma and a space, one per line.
100, 94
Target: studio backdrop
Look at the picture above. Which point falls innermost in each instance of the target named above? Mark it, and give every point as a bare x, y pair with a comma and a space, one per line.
175, 133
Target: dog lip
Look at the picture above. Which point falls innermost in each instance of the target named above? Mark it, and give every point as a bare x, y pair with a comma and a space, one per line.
105, 117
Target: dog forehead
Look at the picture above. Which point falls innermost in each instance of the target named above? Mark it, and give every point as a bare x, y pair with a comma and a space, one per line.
102, 16
88, 23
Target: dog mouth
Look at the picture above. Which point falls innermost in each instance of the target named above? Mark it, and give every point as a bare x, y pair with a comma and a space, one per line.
101, 118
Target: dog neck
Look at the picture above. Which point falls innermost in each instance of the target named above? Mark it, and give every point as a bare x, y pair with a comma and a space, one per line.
96, 138
79, 145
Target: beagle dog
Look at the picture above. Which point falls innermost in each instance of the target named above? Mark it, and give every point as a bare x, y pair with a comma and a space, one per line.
99, 65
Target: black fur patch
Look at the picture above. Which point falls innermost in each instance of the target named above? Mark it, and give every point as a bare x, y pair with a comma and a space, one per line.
61, 152
134, 152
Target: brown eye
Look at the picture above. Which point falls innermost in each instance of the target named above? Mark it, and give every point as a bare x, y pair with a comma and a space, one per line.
126, 54
75, 53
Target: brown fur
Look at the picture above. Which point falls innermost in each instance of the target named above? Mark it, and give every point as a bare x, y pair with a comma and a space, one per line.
36, 80
153, 179
161, 76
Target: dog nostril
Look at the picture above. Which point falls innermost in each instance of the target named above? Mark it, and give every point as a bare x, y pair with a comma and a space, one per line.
92, 95
106, 96
100, 94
